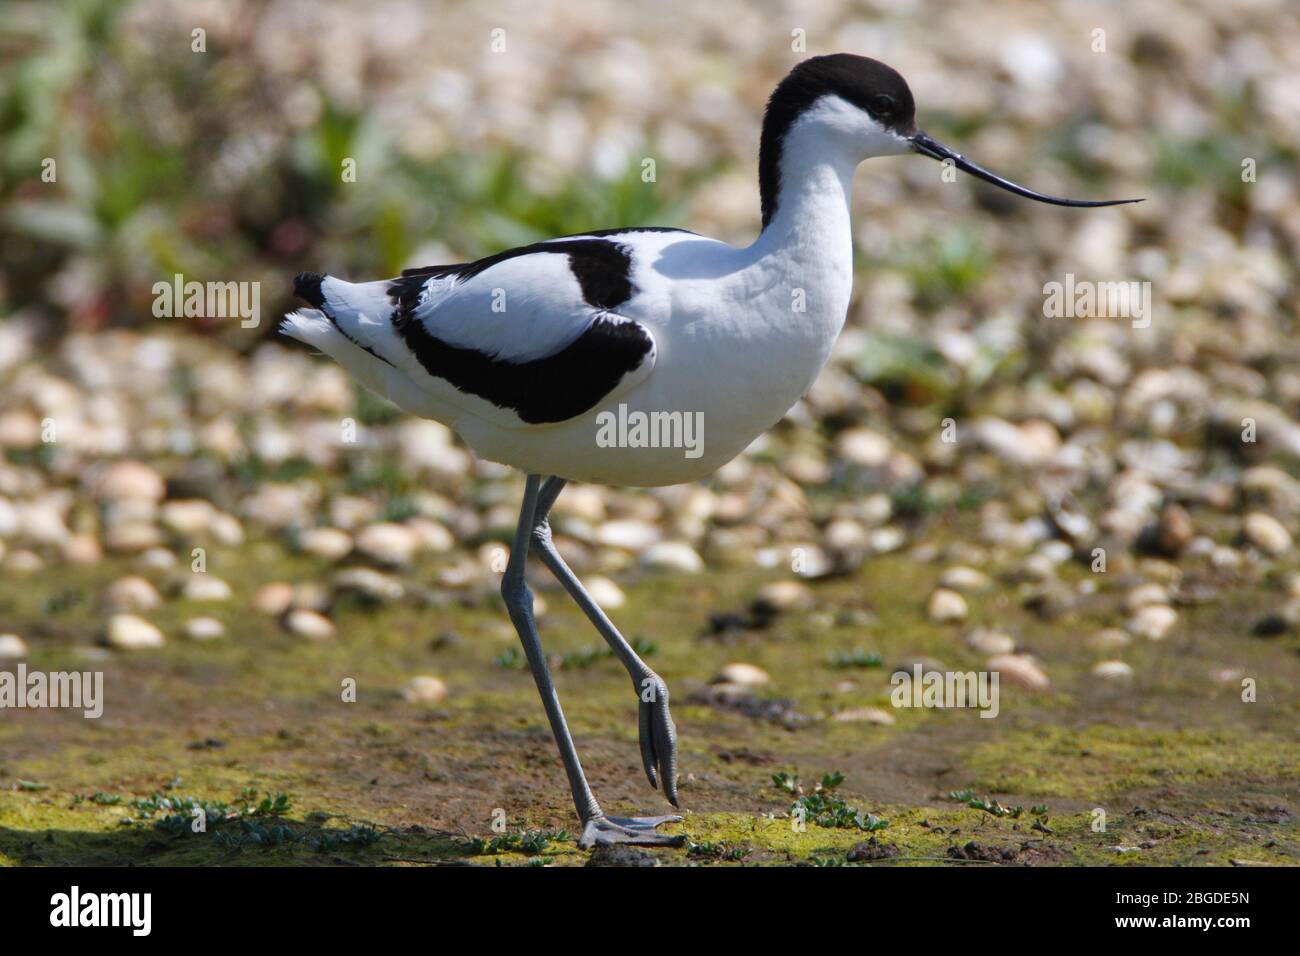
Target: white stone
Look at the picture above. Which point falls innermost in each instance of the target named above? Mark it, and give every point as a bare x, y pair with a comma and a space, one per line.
204, 629
946, 605
205, 587
431, 536
672, 556
130, 537
864, 447
226, 529
369, 583
1019, 669
309, 624
128, 632
126, 480
328, 543
424, 689
274, 598
787, 595
966, 580
1109, 639
742, 675
1266, 533
885, 540
1154, 621
866, 715
189, 517
605, 592
12, 647
990, 642
1112, 670
388, 543
628, 534
81, 549
1144, 595
160, 559
131, 593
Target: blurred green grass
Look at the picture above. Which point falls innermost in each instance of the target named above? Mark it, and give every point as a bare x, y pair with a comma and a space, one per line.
176, 163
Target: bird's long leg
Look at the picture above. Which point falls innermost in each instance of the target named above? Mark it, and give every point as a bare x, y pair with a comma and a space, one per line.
519, 604
597, 828
657, 733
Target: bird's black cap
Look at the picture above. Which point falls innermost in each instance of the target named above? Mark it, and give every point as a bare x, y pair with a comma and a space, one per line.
866, 83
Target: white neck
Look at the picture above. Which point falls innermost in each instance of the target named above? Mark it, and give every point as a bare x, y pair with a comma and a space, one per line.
809, 239
812, 207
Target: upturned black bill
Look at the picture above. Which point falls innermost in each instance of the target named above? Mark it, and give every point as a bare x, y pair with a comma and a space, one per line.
927, 146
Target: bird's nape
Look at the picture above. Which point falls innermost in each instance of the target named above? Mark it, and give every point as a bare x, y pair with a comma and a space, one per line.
927, 145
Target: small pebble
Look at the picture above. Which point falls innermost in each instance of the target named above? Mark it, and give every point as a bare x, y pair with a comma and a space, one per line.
369, 584
274, 598
742, 675
131, 593
628, 534
787, 595
672, 556
130, 633
1143, 595
128, 480
12, 647
866, 715
990, 642
1110, 639
1019, 669
328, 543
388, 543
1154, 621
1266, 533
946, 605
309, 624
1112, 670
204, 629
424, 689
205, 587
966, 580
605, 592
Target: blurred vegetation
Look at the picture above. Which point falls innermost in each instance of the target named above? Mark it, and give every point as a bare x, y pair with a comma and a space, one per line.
168, 162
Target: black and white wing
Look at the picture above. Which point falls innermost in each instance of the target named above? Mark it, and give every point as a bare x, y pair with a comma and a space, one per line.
529, 336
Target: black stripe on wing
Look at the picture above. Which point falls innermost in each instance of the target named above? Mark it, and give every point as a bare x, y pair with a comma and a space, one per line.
545, 390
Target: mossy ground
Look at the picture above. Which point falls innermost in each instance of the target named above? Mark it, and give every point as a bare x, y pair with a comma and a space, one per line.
1185, 771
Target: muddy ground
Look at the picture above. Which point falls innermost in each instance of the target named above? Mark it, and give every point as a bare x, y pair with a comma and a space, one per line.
1185, 771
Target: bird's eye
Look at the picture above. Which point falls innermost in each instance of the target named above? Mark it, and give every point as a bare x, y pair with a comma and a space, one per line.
882, 104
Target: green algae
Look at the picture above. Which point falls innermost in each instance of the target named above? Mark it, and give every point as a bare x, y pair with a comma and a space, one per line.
1186, 772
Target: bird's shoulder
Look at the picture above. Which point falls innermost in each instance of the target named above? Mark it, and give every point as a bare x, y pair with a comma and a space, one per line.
594, 269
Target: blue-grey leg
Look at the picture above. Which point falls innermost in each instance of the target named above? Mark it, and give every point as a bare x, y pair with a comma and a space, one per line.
597, 828
658, 735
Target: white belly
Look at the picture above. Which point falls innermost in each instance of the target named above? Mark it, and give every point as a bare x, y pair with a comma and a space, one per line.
713, 391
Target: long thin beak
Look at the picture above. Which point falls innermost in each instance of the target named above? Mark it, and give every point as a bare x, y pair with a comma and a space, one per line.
926, 146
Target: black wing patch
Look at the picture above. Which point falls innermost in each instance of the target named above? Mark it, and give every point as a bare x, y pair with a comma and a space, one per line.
541, 391
545, 390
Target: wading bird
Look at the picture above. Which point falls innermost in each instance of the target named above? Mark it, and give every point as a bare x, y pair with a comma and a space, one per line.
525, 353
